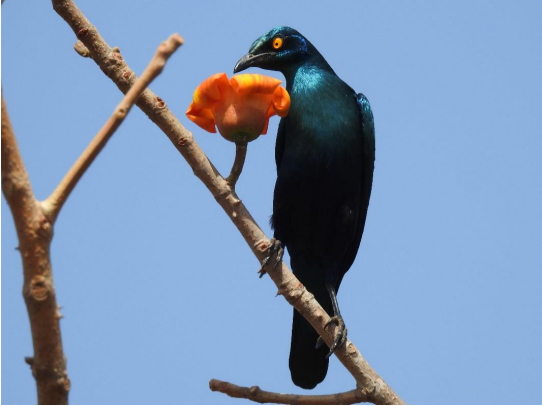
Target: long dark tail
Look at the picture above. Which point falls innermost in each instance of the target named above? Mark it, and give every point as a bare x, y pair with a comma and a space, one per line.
308, 365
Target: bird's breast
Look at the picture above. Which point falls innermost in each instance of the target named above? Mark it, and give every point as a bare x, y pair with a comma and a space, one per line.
322, 128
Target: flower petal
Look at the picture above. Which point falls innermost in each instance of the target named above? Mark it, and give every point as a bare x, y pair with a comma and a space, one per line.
241, 107
214, 93
202, 117
281, 101
215, 89
266, 125
248, 83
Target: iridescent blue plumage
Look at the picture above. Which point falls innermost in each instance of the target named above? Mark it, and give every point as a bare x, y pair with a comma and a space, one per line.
325, 160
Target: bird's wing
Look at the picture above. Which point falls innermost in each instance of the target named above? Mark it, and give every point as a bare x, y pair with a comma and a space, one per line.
367, 122
366, 178
279, 146
279, 150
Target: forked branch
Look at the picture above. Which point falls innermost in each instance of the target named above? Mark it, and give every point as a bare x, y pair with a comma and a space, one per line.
34, 222
35, 232
56, 200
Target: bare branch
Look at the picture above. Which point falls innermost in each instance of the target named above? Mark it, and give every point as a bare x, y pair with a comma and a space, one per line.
34, 224
56, 200
15, 183
369, 383
255, 394
35, 232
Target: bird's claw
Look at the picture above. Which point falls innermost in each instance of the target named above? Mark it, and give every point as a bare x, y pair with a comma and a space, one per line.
319, 343
340, 338
275, 247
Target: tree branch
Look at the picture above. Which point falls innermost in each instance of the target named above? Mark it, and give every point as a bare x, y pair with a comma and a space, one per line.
255, 394
56, 200
35, 232
369, 383
34, 223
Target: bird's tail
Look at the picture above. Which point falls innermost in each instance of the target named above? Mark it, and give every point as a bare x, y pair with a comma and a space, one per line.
308, 365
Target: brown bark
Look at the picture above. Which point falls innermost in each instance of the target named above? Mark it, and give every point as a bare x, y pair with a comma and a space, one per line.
56, 200
35, 232
256, 394
34, 222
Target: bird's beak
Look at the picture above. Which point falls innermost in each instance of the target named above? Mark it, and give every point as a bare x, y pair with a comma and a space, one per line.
249, 60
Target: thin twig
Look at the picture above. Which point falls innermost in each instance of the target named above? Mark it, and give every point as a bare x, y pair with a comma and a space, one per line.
35, 232
367, 380
56, 200
238, 163
256, 394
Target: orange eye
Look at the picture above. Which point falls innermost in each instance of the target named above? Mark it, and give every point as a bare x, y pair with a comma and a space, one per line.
277, 43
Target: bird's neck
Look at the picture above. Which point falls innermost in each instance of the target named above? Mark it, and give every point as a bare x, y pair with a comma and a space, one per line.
306, 76
312, 63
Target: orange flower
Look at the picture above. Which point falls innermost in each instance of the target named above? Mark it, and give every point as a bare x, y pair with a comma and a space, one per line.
240, 107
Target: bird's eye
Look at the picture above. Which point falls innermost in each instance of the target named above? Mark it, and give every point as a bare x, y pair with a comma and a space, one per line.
277, 43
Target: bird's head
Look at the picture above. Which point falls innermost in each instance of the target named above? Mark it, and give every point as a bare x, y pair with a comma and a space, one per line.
281, 49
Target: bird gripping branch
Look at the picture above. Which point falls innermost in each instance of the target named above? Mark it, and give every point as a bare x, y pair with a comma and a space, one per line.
325, 160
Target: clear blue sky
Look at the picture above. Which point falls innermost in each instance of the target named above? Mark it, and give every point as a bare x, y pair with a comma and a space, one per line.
160, 292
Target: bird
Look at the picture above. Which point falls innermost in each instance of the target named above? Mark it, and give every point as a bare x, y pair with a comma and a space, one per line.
324, 154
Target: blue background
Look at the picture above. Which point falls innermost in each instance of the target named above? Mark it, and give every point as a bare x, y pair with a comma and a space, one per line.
158, 289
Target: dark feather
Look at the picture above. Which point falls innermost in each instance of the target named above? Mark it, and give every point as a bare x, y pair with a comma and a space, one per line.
325, 160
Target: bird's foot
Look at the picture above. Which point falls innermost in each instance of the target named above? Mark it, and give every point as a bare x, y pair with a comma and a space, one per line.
340, 338
275, 247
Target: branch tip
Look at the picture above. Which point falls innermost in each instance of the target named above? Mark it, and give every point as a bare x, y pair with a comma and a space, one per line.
81, 49
53, 204
256, 394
